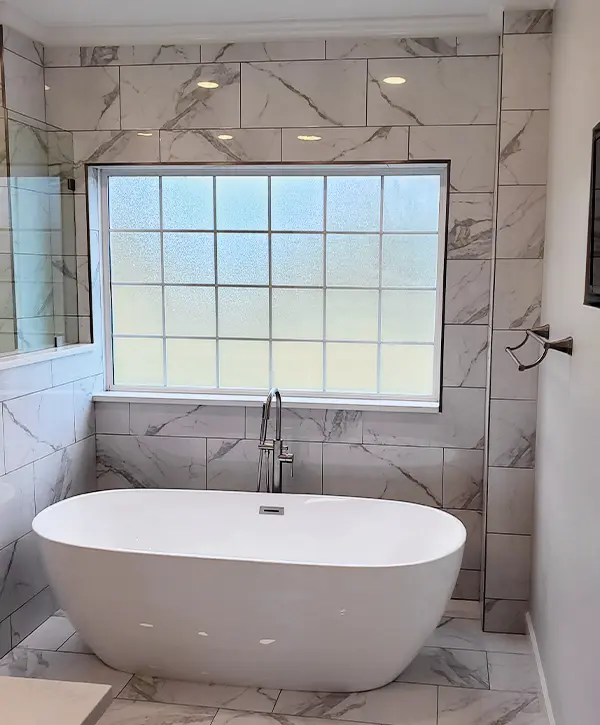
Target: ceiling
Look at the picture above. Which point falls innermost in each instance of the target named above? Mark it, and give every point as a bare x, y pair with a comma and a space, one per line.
110, 22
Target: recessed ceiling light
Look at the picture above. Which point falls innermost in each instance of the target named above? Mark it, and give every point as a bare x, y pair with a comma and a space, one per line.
309, 138
144, 133
225, 136
46, 88
394, 80
207, 84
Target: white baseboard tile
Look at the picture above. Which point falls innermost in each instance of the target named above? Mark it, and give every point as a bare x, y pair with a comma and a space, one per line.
463, 608
547, 705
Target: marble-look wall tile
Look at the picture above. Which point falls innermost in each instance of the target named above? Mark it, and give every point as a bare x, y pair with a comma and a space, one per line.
5, 638
512, 433
38, 424
205, 146
304, 93
105, 54
459, 91
510, 500
527, 21
473, 522
21, 45
273, 50
508, 566
385, 143
507, 381
168, 96
471, 150
24, 86
62, 56
470, 226
83, 99
459, 425
467, 292
82, 286
478, 44
468, 585
74, 367
308, 468
523, 147
68, 472
84, 389
19, 381
390, 47
125, 461
521, 222
17, 506
97, 147
112, 417
463, 479
21, 574
231, 464
462, 706
195, 421
506, 616
465, 356
386, 472
165, 54
31, 615
527, 61
518, 298
305, 424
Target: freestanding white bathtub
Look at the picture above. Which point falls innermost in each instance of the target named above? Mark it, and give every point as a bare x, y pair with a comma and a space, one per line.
334, 594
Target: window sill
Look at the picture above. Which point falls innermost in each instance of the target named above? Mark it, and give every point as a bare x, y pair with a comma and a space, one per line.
19, 359
255, 401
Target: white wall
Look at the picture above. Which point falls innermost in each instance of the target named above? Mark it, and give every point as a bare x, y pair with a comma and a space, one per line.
566, 578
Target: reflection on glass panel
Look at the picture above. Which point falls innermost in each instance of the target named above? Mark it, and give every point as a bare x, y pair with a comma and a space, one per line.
135, 257
297, 259
243, 312
351, 367
134, 202
242, 202
353, 203
407, 369
242, 259
189, 258
298, 365
137, 310
411, 203
243, 364
298, 314
138, 361
190, 311
187, 202
192, 363
297, 203
352, 314
353, 260
409, 261
408, 315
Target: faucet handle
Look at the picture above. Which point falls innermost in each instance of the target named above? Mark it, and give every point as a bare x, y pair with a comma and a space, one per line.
286, 457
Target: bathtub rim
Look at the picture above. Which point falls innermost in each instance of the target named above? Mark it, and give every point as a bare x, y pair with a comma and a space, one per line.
62, 541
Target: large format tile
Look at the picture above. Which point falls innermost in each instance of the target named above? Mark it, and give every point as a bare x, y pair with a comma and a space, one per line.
205, 146
513, 672
68, 472
508, 566
467, 292
395, 704
523, 147
465, 356
112, 417
466, 707
470, 226
463, 479
518, 298
83, 390
17, 505
105, 147
437, 91
478, 44
506, 615
127, 461
307, 424
31, 615
168, 96
53, 633
24, 86
274, 50
138, 54
473, 523
75, 644
455, 633
510, 500
154, 689
439, 666
508, 381
231, 717
526, 66
5, 641
21, 574
122, 712
231, 464
468, 586
196, 421
387, 472
527, 21
391, 47
21, 45
521, 222
304, 93
512, 433
379, 143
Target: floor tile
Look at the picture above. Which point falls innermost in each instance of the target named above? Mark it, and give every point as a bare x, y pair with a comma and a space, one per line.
439, 666
464, 608
156, 689
395, 704
467, 634
75, 644
50, 635
61, 666
234, 717
477, 707
513, 672
122, 712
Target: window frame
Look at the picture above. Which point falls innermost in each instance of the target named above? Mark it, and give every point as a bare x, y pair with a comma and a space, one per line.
313, 399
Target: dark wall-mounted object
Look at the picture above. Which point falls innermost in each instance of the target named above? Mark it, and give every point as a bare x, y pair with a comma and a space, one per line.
592, 285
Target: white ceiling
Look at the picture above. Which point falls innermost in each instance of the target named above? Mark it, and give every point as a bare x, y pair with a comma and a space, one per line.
83, 22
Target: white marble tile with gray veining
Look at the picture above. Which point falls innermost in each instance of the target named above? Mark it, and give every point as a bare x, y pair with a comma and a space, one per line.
521, 222
64, 285
105, 54
468, 586
304, 93
478, 44
83, 99
523, 147
19, 381
96, 147
527, 21
68, 472
475, 707
506, 615
526, 66
231, 145
75, 367
150, 462
463, 479
17, 504
508, 382
457, 633
383, 143
165, 54
518, 298
386, 472
22, 45
512, 433
508, 566
307, 424
112, 417
121, 712
76, 645
62, 56
84, 389
231, 464
439, 666
236, 717
465, 356
391, 47
467, 292
50, 635
31, 615
459, 91
28, 157
82, 288
24, 86
470, 226
510, 500
513, 672
196, 421
273, 50
473, 522
21, 574
169, 97
471, 150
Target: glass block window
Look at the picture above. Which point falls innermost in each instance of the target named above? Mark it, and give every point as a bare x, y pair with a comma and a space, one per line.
325, 281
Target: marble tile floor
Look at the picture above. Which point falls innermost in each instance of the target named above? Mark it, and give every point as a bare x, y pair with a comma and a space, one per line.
462, 677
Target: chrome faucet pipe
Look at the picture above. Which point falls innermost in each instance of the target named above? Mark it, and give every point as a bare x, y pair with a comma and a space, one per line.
275, 448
